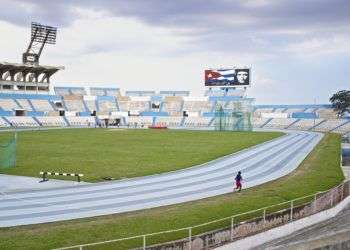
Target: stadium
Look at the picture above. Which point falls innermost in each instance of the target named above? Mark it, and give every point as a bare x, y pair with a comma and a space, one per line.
91, 167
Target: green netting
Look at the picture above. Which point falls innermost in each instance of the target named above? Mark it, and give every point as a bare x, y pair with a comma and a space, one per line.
234, 116
8, 153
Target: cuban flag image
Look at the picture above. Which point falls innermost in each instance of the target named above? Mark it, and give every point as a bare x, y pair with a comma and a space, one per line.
220, 77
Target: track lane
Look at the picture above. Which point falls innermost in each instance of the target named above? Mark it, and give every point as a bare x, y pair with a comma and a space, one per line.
259, 164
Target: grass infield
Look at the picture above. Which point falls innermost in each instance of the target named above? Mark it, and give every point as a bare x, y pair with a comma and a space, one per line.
119, 153
319, 171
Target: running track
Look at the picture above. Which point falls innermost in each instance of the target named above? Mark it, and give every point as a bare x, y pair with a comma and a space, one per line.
259, 164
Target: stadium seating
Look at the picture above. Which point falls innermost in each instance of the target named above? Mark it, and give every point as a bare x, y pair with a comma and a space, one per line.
329, 125
169, 121
280, 123
51, 121
74, 105
197, 121
345, 128
306, 124
8, 104
104, 91
173, 105
91, 105
24, 103
3, 123
197, 106
22, 121
326, 113
105, 105
139, 121
63, 91
145, 108
81, 121
259, 122
137, 103
41, 105
258, 111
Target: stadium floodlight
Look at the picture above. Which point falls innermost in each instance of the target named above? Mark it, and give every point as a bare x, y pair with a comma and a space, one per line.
40, 35
43, 34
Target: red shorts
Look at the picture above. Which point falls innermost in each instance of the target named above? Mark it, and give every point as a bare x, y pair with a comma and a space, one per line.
238, 184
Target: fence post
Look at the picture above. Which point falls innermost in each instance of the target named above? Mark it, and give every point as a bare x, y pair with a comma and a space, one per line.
264, 216
342, 192
189, 238
315, 203
331, 198
144, 242
231, 228
291, 210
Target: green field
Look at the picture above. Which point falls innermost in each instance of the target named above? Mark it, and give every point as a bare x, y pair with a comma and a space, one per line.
119, 153
319, 171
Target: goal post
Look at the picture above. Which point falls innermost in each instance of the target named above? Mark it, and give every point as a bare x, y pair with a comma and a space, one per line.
8, 153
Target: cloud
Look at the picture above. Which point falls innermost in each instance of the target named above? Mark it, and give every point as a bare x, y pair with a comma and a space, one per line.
316, 47
214, 24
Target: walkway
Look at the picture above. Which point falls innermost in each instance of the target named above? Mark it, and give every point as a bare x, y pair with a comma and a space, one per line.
329, 232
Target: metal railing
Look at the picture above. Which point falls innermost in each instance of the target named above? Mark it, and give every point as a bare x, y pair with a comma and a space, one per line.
289, 210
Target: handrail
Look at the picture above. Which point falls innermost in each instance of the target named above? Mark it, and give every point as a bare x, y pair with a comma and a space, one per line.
198, 225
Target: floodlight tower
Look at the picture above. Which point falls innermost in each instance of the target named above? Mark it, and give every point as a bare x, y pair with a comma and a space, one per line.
40, 35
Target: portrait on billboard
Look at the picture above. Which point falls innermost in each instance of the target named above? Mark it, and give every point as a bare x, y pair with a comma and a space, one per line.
242, 76
227, 77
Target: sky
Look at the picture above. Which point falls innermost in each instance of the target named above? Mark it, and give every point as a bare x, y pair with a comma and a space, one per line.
299, 50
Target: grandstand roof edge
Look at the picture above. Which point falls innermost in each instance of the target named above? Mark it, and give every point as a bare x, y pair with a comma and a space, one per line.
31, 66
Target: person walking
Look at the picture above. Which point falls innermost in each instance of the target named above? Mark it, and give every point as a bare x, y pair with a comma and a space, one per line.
238, 180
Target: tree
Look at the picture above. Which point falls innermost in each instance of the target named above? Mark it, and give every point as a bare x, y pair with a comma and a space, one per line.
341, 102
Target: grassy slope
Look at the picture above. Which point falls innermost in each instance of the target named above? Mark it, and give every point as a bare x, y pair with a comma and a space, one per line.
320, 171
98, 153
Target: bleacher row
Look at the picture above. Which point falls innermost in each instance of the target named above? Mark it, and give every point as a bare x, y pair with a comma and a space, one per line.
174, 106
323, 125
143, 108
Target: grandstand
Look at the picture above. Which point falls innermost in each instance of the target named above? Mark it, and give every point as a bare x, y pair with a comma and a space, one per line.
281, 123
139, 121
169, 121
81, 121
80, 106
21, 121
172, 105
104, 91
51, 121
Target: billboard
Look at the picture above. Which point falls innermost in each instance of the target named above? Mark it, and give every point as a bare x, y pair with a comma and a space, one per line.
227, 77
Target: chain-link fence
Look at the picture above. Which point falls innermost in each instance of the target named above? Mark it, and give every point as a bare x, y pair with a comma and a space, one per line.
234, 116
8, 153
